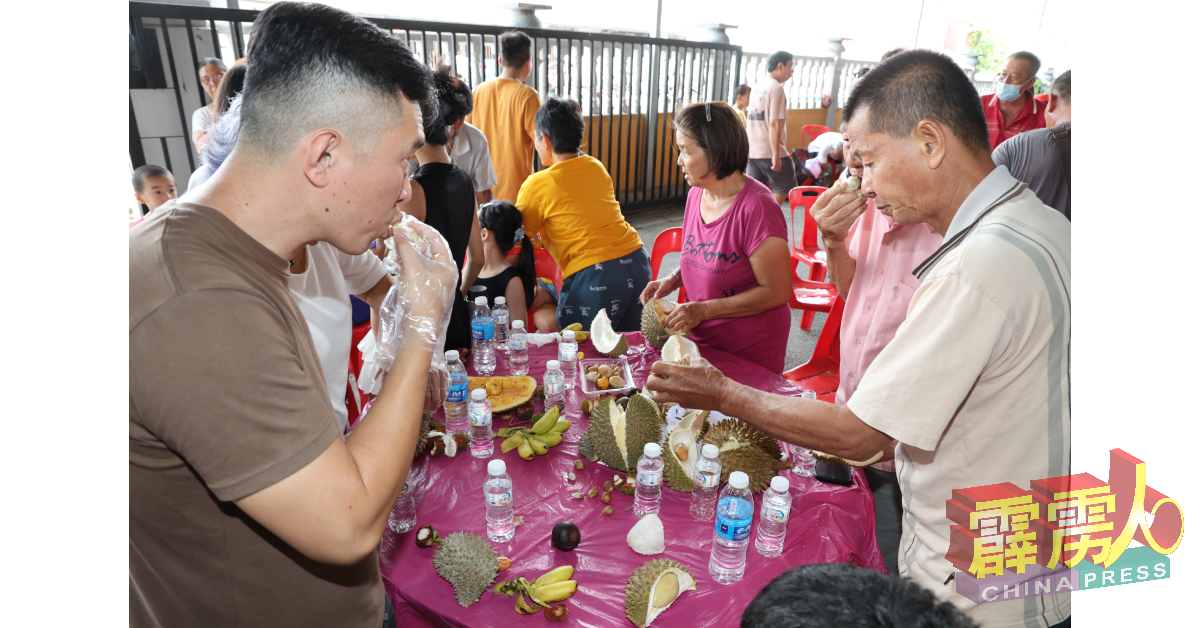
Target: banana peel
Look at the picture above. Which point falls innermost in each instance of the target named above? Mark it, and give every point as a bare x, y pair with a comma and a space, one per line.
524, 607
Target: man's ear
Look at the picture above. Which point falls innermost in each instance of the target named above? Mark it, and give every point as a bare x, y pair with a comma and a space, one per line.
1052, 104
322, 151
930, 137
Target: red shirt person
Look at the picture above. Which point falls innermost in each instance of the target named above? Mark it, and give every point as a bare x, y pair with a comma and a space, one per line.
1012, 109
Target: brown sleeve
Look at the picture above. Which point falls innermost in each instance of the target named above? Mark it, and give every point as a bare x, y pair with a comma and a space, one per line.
217, 376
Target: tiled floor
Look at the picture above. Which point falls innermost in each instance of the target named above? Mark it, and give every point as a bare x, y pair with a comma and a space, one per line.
650, 224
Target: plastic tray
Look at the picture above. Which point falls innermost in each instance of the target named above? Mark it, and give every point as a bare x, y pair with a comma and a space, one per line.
589, 387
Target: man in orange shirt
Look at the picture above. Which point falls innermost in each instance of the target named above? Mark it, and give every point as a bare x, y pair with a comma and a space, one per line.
504, 111
1012, 110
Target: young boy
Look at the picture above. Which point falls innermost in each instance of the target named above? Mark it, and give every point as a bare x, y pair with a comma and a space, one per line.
153, 186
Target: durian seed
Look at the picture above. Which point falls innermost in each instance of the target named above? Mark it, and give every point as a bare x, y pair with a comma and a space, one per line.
608, 485
593, 492
682, 452
602, 382
579, 465
616, 382
592, 376
605, 497
607, 510
518, 521
577, 495
571, 477
505, 563
666, 590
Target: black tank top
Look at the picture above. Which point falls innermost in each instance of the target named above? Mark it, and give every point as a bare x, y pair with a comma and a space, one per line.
450, 208
496, 285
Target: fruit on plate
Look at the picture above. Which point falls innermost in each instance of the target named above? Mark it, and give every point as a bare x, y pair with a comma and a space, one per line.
504, 392
616, 437
747, 449
654, 322
604, 339
652, 589
678, 346
682, 450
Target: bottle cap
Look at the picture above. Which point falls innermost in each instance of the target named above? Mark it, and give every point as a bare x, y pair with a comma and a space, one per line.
780, 484
518, 325
739, 479
478, 394
569, 335
652, 449
480, 300
500, 301
710, 451
451, 355
496, 467
552, 365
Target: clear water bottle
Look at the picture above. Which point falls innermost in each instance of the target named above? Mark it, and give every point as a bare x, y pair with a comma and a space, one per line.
802, 458
648, 494
497, 502
731, 535
501, 316
773, 518
480, 413
456, 396
518, 350
483, 334
568, 357
404, 513
553, 382
707, 486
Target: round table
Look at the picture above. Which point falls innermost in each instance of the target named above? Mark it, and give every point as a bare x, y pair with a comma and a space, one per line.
828, 523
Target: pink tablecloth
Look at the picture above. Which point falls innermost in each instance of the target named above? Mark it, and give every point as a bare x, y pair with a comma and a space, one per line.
828, 523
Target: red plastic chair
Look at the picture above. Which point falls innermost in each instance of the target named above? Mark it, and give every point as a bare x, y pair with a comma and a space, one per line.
806, 250
821, 373
354, 398
545, 267
669, 241
809, 132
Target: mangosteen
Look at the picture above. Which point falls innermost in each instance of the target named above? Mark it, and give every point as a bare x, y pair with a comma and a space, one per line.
565, 536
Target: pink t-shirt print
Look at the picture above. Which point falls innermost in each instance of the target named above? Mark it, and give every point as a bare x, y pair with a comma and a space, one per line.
715, 264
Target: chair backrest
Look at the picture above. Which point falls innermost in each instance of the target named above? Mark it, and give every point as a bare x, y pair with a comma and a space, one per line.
669, 241
828, 343
545, 266
809, 132
805, 197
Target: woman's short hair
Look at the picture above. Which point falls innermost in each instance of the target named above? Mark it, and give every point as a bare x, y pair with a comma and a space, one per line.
562, 121
231, 85
211, 61
719, 133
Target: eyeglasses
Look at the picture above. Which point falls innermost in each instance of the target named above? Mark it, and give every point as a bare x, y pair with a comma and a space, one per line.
213, 80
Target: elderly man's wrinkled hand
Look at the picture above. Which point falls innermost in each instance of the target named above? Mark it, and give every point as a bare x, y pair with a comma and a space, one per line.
836, 210
696, 385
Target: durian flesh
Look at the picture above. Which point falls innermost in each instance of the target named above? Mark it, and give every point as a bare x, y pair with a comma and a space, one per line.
616, 437
682, 451
468, 563
745, 448
678, 346
604, 339
654, 328
652, 589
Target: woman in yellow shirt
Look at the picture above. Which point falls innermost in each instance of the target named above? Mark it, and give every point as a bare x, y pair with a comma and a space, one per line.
571, 204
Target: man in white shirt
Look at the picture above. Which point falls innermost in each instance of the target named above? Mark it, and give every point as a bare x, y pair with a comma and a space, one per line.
469, 150
975, 386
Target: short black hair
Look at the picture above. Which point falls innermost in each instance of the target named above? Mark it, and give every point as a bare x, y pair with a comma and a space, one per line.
560, 119
1061, 87
782, 56
742, 89
451, 103
891, 53
915, 85
210, 61
837, 594
231, 85
145, 172
719, 133
1035, 63
514, 48
310, 65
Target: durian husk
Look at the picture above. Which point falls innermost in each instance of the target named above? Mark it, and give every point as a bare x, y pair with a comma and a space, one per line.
468, 563
601, 331
680, 474
819, 455
639, 590
616, 437
644, 420
653, 328
747, 449
426, 428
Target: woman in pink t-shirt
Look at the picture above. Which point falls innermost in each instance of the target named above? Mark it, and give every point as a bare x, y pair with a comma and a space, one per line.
734, 261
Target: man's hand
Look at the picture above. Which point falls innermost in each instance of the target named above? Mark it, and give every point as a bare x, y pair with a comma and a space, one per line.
427, 281
834, 212
776, 165
435, 389
685, 316
696, 385
659, 288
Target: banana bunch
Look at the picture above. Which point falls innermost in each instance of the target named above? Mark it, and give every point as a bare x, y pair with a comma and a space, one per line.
580, 335
553, 586
546, 432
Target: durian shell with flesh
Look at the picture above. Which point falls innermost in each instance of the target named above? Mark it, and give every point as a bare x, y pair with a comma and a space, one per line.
642, 605
604, 339
680, 474
643, 424
747, 449
678, 346
468, 563
653, 328
604, 439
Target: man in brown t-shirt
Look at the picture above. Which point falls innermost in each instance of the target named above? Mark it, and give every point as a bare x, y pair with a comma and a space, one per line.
246, 506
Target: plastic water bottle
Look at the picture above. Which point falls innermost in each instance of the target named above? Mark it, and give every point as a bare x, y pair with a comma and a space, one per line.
483, 333
805, 463
480, 413
553, 382
707, 486
568, 357
456, 397
518, 350
497, 502
500, 314
404, 513
731, 535
648, 494
773, 518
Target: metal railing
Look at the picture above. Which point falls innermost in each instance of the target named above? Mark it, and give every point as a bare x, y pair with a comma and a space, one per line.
628, 86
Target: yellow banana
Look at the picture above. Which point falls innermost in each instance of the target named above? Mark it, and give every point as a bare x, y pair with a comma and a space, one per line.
562, 426
525, 450
538, 446
511, 443
574, 327
557, 592
559, 574
550, 439
547, 421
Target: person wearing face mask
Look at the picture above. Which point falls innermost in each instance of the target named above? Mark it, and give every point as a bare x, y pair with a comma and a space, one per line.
1042, 158
869, 250
1012, 110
